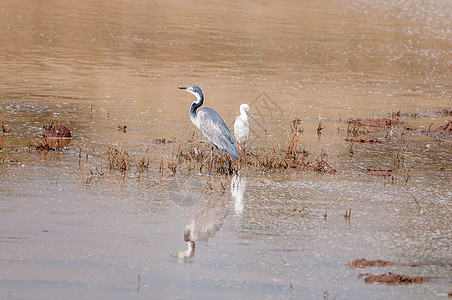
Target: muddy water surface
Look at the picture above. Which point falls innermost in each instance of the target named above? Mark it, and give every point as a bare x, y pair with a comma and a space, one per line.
72, 228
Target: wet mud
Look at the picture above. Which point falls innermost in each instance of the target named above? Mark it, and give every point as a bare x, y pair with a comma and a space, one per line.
57, 132
395, 279
362, 263
387, 278
446, 128
362, 130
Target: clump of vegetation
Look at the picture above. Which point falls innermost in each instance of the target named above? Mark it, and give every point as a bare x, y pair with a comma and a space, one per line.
49, 144
118, 159
192, 157
49, 126
291, 157
142, 163
354, 128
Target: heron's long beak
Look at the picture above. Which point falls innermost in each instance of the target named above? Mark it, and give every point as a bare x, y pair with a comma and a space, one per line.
182, 88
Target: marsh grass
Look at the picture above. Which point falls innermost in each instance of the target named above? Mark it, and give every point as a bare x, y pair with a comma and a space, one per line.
292, 156
399, 165
2, 142
142, 163
356, 128
95, 174
49, 125
191, 155
194, 155
48, 144
118, 159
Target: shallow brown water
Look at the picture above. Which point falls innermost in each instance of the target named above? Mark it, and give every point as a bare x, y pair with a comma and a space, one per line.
66, 231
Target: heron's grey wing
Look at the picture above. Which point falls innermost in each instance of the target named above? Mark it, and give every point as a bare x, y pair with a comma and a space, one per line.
215, 130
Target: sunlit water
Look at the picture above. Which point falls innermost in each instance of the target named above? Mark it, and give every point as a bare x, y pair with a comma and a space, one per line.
71, 228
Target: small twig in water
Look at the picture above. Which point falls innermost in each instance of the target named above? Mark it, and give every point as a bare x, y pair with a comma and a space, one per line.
320, 127
348, 214
81, 147
418, 205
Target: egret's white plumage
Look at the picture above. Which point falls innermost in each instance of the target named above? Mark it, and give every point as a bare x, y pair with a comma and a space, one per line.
241, 125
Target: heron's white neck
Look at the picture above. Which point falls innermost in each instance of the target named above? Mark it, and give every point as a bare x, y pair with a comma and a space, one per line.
198, 97
194, 106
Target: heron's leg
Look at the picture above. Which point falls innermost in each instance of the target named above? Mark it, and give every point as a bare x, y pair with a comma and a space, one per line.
222, 156
211, 160
227, 164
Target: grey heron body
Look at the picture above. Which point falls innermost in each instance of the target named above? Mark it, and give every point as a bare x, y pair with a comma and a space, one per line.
211, 125
241, 126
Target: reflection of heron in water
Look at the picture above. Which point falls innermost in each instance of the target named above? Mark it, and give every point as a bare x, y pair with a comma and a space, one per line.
238, 187
204, 226
190, 252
